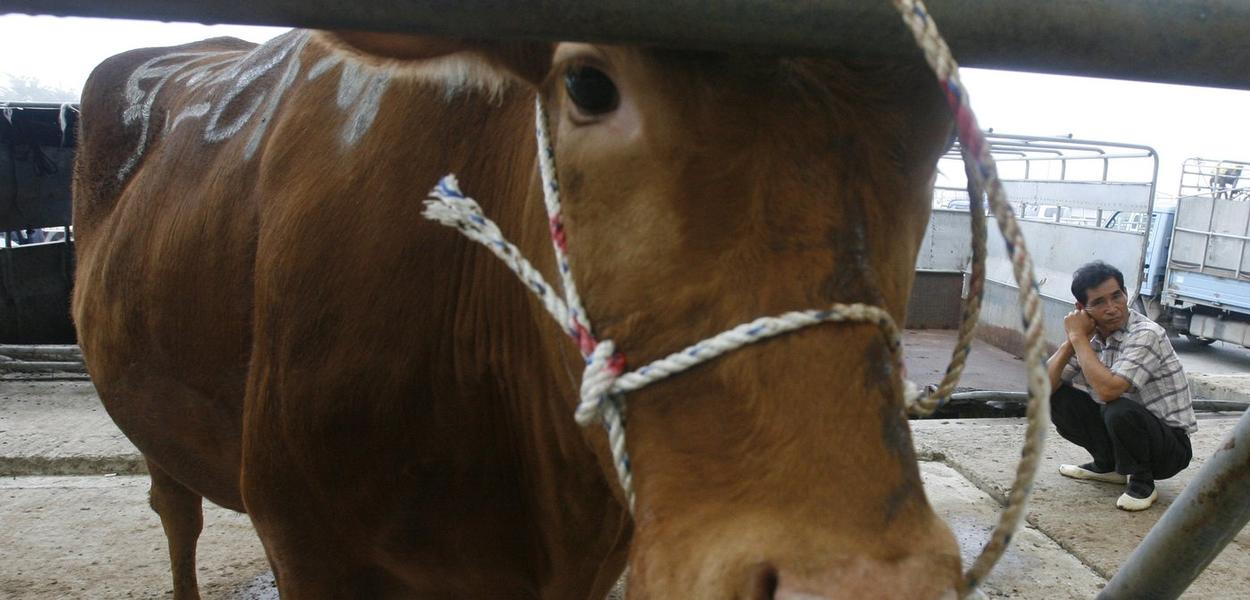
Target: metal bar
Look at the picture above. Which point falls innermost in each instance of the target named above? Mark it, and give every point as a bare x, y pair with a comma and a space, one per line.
1241, 257
1206, 235
1212, 233
1196, 42
42, 352
37, 105
1150, 215
1065, 142
1024, 150
1210, 511
1040, 149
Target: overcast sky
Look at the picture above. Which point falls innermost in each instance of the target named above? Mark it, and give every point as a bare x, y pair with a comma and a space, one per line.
1178, 121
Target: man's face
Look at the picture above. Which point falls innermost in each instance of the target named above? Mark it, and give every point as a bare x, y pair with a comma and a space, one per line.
1107, 304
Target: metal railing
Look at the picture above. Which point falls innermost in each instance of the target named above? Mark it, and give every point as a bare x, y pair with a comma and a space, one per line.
1215, 178
1031, 151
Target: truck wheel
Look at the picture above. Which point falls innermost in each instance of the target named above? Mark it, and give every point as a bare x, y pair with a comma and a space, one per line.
1201, 341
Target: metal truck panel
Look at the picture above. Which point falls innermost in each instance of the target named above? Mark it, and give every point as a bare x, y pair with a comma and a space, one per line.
1107, 196
947, 244
1224, 252
1057, 251
1199, 288
1211, 236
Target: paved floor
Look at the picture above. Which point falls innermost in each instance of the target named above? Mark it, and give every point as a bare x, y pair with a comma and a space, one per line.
1220, 358
1081, 516
92, 536
76, 522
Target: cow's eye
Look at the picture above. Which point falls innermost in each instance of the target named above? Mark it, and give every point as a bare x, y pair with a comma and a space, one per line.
591, 90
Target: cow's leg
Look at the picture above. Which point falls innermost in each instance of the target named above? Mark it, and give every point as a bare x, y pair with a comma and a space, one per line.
182, 518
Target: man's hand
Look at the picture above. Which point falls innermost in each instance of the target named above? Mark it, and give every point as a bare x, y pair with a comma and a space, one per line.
1078, 324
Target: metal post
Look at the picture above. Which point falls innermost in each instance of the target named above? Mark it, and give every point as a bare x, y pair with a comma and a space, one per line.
1211, 510
1194, 42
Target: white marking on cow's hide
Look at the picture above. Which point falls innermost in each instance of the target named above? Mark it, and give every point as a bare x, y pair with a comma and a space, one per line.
140, 101
222, 78
259, 63
360, 91
193, 77
238, 69
275, 97
351, 82
191, 112
365, 109
324, 65
361, 85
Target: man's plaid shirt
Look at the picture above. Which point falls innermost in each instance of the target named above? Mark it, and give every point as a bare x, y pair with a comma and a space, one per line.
1141, 353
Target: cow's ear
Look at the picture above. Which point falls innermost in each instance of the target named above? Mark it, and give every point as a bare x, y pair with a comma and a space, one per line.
528, 61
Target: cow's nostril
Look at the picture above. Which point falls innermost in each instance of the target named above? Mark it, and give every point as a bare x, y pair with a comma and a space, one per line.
763, 584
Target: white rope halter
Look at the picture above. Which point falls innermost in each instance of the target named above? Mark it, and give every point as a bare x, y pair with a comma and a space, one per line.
605, 381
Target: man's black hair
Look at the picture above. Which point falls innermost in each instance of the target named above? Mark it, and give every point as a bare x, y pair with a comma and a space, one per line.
1091, 275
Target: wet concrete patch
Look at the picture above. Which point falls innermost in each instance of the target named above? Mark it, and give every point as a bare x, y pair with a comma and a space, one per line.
1034, 567
1081, 516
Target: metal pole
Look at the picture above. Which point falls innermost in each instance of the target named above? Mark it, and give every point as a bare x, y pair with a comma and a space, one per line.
1208, 514
1196, 42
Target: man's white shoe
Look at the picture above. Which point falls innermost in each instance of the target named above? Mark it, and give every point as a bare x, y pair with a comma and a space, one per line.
1141, 493
1129, 503
1085, 472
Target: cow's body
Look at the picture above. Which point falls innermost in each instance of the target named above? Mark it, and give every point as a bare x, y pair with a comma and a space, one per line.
269, 318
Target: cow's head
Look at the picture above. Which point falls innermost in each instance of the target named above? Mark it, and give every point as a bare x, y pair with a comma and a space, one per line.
704, 190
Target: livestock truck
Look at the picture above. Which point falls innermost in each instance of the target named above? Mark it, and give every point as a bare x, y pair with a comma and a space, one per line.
1081, 200
1196, 276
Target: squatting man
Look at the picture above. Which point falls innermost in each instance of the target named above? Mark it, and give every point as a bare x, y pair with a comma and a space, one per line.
1119, 391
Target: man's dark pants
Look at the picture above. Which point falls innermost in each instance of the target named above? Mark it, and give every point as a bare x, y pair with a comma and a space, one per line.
1122, 434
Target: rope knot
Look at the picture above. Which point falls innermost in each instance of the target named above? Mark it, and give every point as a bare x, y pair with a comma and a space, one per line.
603, 366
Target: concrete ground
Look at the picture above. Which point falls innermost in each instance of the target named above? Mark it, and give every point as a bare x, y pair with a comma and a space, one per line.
93, 537
1080, 517
76, 523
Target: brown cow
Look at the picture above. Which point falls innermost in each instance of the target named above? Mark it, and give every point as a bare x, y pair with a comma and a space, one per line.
269, 318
